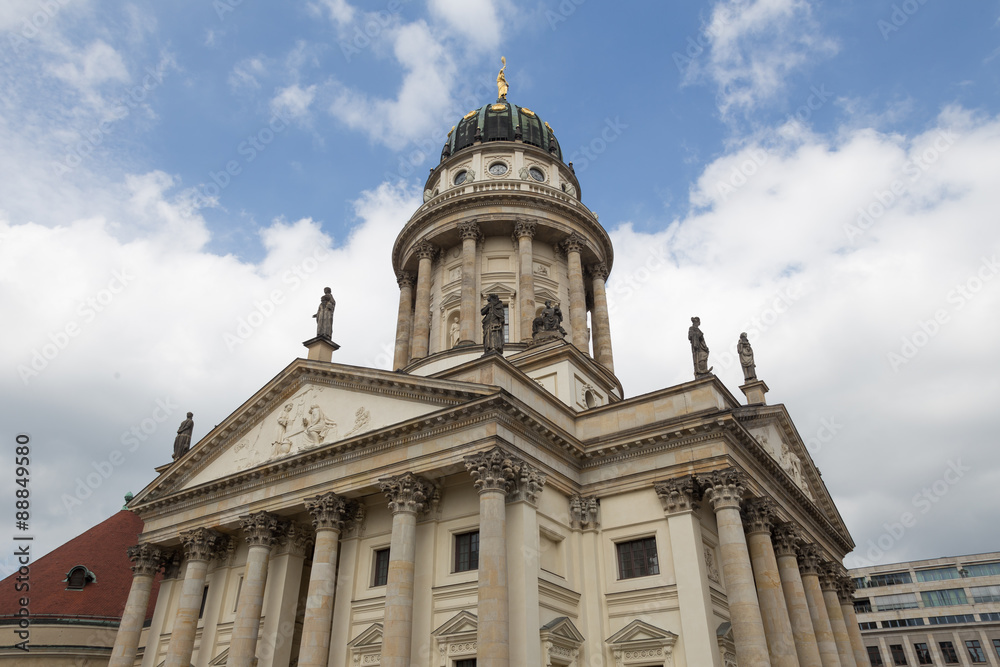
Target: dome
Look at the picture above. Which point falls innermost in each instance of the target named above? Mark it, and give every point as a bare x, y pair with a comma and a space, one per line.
501, 121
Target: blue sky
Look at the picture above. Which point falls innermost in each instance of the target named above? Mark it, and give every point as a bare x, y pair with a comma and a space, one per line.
739, 151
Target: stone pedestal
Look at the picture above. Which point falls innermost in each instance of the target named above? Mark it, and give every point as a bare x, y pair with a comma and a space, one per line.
320, 349
754, 390
785, 543
146, 560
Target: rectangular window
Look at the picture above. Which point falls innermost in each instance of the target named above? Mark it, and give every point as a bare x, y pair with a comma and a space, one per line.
889, 579
898, 657
985, 593
900, 601
982, 569
923, 654
863, 606
204, 599
991, 616
996, 646
380, 567
944, 598
868, 625
975, 651
506, 323
467, 552
948, 651
954, 618
637, 558
938, 574
902, 622
874, 656
859, 583
467, 662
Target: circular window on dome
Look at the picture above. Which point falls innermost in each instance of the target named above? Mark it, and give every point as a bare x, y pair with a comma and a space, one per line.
460, 177
498, 168
537, 174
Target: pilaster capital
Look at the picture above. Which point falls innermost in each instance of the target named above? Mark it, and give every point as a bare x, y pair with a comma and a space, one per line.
297, 540
723, 488
355, 524
524, 227
146, 559
810, 557
202, 543
786, 540
328, 511
499, 470
598, 271
583, 512
469, 230
407, 493
528, 483
263, 529
681, 494
575, 242
758, 515
405, 279
829, 576
425, 250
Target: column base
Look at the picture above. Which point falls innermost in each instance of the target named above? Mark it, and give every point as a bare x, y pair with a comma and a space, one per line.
754, 390
320, 348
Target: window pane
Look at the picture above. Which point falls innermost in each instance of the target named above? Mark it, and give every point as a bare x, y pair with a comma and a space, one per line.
951, 596
948, 651
982, 569
467, 552
938, 574
889, 579
381, 576
898, 657
863, 606
637, 558
975, 651
986, 593
923, 654
996, 645
874, 656
900, 601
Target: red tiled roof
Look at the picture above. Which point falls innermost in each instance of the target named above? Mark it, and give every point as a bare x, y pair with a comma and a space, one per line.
102, 550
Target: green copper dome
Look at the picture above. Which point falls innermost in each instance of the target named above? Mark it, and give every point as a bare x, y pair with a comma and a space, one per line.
501, 121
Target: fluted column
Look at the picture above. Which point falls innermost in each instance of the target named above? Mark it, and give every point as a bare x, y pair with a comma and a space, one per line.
759, 521
146, 560
408, 495
786, 541
404, 320
724, 489
329, 512
524, 230
829, 582
573, 246
469, 232
600, 319
809, 567
422, 310
845, 591
261, 531
200, 546
680, 498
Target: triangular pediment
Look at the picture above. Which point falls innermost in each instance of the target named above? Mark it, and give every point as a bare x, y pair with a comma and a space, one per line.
370, 637
542, 295
461, 623
562, 628
640, 631
501, 290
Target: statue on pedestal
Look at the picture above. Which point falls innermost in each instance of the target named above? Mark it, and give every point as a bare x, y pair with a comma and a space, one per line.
699, 350
182, 442
745, 353
549, 320
324, 315
493, 321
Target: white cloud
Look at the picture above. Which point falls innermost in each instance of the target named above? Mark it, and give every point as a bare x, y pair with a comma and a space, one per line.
479, 23
293, 101
247, 73
88, 68
340, 11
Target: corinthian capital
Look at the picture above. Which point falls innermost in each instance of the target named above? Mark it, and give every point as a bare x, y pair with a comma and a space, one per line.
845, 589
499, 470
146, 559
786, 540
468, 230
262, 529
405, 279
829, 576
328, 511
575, 242
583, 512
810, 557
758, 515
723, 488
202, 543
524, 227
679, 495
407, 492
425, 250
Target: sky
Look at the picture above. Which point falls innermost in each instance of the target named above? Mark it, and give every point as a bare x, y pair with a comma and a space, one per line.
179, 181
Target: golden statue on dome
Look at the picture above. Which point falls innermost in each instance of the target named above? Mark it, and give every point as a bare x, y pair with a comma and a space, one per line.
502, 81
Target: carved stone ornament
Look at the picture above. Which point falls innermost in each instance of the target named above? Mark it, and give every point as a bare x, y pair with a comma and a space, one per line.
498, 470
758, 515
469, 230
583, 512
424, 250
407, 493
262, 529
524, 227
405, 279
829, 576
845, 589
574, 243
679, 495
786, 540
202, 543
599, 271
723, 488
327, 511
711, 567
699, 349
810, 557
298, 540
146, 559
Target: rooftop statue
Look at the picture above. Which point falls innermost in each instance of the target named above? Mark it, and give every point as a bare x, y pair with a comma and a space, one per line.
493, 322
324, 315
699, 350
183, 440
502, 81
549, 320
745, 352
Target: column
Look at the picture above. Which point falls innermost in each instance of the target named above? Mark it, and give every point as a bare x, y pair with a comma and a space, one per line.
404, 320
496, 473
340, 634
574, 245
200, 547
329, 512
786, 541
828, 582
469, 231
809, 557
845, 591
584, 517
759, 521
408, 495
724, 489
599, 317
422, 309
524, 230
261, 531
522, 554
680, 498
146, 560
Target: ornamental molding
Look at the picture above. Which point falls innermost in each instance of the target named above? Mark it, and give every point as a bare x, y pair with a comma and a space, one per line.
786, 540
146, 559
575, 242
584, 512
366, 648
203, 544
640, 643
405, 279
524, 227
682, 494
298, 540
332, 512
456, 638
263, 529
561, 642
727, 644
407, 493
759, 515
425, 250
469, 230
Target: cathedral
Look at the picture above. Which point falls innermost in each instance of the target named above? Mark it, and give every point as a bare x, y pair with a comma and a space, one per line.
495, 499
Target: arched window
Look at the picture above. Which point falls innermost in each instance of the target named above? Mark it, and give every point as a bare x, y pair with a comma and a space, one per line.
79, 577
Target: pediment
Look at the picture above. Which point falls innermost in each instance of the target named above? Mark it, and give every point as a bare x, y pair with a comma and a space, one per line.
562, 628
461, 623
640, 632
501, 290
542, 295
372, 636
